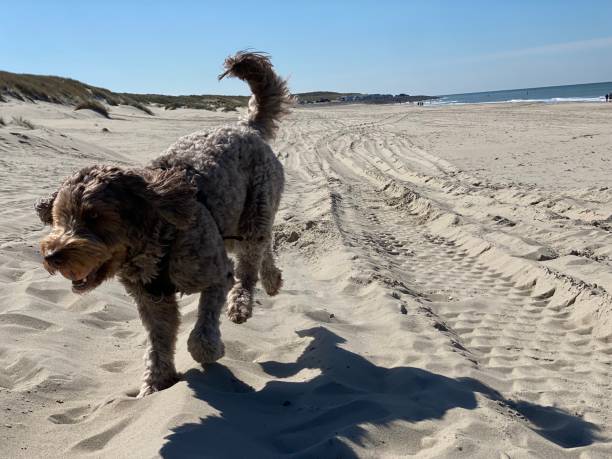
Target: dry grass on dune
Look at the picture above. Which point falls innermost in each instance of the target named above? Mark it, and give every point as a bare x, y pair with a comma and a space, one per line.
20, 121
143, 108
93, 105
52, 89
203, 102
67, 91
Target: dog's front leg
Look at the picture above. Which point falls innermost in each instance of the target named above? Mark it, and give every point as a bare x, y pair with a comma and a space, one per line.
204, 344
160, 318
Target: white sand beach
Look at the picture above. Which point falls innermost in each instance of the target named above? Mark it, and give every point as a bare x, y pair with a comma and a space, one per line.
448, 293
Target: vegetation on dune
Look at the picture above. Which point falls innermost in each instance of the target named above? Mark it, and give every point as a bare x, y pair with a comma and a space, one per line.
19, 121
204, 102
72, 92
67, 91
143, 108
317, 96
109, 97
49, 89
93, 105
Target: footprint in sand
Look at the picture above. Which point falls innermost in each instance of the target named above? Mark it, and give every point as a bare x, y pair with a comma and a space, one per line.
98, 441
72, 416
116, 366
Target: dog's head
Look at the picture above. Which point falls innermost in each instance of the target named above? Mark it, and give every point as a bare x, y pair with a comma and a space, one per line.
101, 212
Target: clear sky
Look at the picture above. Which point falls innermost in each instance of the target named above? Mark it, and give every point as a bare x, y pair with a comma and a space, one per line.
417, 47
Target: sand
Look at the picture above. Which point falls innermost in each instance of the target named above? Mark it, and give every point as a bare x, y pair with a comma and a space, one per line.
447, 294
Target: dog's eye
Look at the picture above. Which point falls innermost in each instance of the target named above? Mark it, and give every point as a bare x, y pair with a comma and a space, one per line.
91, 216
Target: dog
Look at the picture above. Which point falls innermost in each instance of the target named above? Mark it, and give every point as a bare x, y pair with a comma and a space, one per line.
167, 228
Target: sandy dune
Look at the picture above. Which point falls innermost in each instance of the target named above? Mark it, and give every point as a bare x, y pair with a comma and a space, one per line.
448, 276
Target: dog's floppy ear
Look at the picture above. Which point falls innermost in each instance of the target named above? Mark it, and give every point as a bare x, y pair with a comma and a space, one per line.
145, 192
44, 207
174, 196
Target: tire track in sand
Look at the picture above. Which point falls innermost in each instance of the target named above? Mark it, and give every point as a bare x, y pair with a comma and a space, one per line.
519, 336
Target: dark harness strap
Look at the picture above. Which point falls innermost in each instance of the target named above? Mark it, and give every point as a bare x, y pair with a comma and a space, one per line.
235, 238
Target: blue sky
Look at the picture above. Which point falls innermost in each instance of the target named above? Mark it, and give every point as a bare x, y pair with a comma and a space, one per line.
416, 47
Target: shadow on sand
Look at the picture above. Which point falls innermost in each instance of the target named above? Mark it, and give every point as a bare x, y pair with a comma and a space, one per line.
307, 418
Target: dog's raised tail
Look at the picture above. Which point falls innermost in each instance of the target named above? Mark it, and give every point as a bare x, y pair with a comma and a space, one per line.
271, 98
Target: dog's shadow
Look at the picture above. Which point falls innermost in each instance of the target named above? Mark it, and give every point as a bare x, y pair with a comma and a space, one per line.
312, 418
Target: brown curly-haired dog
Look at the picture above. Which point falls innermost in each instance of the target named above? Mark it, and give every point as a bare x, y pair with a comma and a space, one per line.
165, 229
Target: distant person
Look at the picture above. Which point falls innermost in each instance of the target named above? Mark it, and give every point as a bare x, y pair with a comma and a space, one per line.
607, 97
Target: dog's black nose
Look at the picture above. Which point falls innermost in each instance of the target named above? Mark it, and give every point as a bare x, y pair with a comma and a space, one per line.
54, 258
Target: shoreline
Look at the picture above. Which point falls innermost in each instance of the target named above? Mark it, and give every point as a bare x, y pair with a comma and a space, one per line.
455, 104
526, 101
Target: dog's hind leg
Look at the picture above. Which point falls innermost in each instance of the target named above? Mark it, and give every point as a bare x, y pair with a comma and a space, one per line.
249, 256
204, 344
161, 319
271, 276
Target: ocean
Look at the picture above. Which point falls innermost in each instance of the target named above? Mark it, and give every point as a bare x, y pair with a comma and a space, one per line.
590, 92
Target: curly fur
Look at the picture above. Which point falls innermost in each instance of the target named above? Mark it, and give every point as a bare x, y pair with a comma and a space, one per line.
271, 98
168, 228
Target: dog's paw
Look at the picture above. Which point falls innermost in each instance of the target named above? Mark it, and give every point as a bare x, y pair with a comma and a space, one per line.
149, 386
204, 348
240, 306
145, 390
272, 282
239, 312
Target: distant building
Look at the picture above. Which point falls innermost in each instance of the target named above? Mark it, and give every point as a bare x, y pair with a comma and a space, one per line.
373, 99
